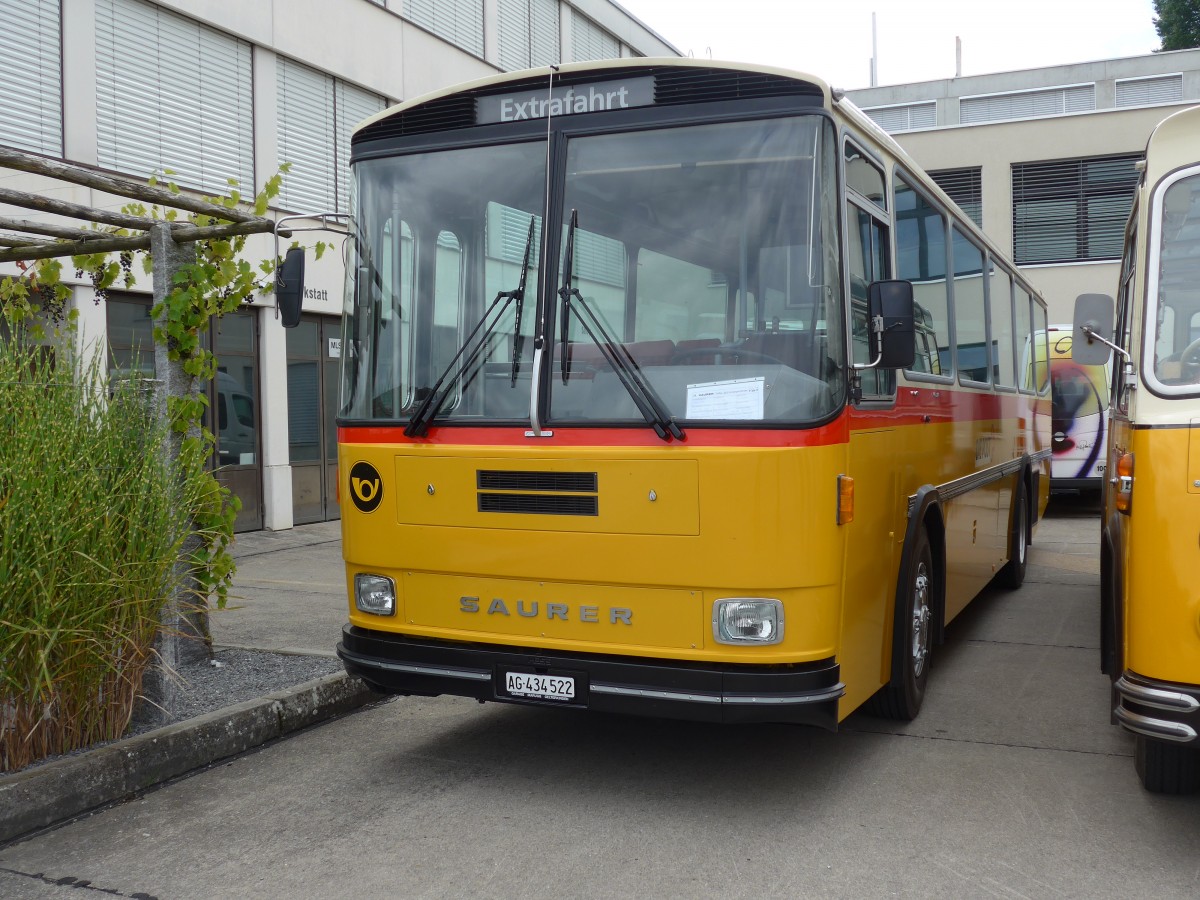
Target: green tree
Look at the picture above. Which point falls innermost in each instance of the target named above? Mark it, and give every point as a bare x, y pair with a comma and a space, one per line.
1177, 23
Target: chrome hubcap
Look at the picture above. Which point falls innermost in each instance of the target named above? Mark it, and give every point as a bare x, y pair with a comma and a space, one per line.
1021, 540
920, 620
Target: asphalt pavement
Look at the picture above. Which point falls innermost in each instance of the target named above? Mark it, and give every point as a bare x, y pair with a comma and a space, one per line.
1011, 782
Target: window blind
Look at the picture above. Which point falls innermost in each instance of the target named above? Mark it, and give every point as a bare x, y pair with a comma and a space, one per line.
1148, 91
31, 75
317, 115
904, 118
1072, 210
458, 21
351, 106
590, 41
528, 33
304, 133
964, 187
172, 94
1028, 104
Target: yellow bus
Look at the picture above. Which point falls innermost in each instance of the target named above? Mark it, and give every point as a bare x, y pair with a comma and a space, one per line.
1150, 525
633, 416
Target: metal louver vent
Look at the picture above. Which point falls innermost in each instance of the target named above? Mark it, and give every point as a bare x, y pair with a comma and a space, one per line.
687, 85
538, 493
540, 504
443, 114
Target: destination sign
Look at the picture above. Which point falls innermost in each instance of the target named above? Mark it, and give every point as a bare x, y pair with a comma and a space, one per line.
566, 101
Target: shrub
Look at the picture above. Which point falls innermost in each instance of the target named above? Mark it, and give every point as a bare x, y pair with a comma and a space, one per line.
92, 522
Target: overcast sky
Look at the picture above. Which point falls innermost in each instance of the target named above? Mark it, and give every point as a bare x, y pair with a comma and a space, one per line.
915, 38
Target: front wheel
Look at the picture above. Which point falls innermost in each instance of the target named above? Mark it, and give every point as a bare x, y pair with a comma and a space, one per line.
1167, 768
912, 639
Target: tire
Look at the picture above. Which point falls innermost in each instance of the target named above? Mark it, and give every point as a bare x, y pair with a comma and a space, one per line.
912, 639
1167, 768
1012, 576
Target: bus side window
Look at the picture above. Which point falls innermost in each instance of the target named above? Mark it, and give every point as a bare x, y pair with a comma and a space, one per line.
1024, 334
867, 246
1120, 395
1001, 315
921, 259
972, 351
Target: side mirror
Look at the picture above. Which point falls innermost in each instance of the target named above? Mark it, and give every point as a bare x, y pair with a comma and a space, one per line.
890, 309
289, 287
1093, 312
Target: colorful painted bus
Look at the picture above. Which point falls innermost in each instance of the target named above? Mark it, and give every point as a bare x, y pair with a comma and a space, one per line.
656, 399
1079, 417
1150, 524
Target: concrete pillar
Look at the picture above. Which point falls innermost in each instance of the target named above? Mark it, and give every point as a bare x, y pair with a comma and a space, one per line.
273, 420
79, 81
491, 31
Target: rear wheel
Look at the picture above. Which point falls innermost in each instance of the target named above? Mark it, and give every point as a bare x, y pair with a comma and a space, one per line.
912, 639
1167, 768
1013, 574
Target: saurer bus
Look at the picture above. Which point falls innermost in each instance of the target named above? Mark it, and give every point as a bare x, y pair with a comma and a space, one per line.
1150, 523
672, 387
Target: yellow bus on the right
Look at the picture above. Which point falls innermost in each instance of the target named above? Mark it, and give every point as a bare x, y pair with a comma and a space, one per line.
1150, 525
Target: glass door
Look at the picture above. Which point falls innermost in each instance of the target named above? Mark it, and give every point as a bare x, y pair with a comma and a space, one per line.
313, 356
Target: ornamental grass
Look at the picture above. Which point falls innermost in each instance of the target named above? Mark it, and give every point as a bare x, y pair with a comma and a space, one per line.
92, 521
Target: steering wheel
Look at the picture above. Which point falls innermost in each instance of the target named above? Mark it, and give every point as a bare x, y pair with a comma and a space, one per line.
738, 354
1189, 360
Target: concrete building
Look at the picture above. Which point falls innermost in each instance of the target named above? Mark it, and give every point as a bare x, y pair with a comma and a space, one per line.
1045, 159
214, 90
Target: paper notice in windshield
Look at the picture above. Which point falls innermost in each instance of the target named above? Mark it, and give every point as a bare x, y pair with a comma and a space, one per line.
741, 398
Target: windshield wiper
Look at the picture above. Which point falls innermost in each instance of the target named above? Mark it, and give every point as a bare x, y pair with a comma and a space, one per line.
628, 372
518, 338
419, 423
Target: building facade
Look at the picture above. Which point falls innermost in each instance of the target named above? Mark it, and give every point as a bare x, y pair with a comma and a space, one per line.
1045, 160
208, 92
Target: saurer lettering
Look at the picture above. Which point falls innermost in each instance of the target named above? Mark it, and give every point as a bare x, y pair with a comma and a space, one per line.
532, 609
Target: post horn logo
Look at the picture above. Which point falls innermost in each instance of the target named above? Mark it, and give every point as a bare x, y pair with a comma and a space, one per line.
366, 487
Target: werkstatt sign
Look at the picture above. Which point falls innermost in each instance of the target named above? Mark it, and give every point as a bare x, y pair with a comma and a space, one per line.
565, 101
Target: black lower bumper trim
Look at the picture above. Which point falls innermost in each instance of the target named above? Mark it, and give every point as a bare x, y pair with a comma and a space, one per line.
804, 694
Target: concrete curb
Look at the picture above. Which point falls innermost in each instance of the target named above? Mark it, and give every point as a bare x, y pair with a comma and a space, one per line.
46, 794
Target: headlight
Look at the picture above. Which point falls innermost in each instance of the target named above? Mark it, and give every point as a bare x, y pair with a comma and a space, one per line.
375, 594
748, 620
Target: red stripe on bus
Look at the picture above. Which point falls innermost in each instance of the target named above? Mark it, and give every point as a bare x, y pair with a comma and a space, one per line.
833, 433
928, 406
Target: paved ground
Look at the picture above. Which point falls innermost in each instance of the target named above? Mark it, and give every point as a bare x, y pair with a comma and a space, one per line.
289, 593
1010, 784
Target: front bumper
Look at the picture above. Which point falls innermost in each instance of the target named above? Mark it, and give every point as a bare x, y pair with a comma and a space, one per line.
805, 694
1161, 710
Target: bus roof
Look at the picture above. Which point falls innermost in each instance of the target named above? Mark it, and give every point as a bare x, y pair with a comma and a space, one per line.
1172, 143
615, 65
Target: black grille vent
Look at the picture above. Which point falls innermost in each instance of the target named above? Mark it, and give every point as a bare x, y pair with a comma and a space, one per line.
538, 493
540, 504
443, 114
706, 85
672, 86
562, 482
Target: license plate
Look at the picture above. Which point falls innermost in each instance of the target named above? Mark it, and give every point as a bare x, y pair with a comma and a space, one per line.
539, 687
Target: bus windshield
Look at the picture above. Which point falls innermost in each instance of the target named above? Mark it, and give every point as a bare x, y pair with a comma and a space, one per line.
704, 272
1176, 334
